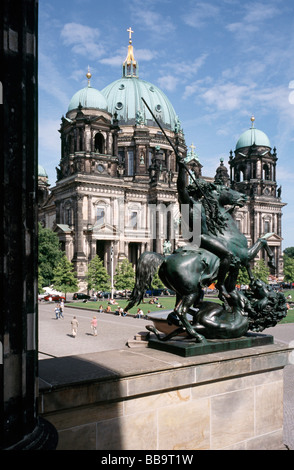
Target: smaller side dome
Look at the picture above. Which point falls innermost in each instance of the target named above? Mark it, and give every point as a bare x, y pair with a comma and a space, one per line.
42, 172
88, 97
253, 136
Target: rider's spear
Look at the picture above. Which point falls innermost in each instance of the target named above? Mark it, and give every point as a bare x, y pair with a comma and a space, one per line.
177, 155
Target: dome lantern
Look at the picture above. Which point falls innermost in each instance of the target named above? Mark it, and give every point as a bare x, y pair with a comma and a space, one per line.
130, 66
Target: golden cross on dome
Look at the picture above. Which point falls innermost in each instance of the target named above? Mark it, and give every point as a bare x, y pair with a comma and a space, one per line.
192, 147
130, 31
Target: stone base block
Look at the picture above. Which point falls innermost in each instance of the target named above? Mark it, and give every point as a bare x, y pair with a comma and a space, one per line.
147, 399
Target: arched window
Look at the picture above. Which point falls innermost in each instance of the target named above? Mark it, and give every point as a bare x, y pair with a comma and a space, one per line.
266, 172
100, 215
99, 143
267, 226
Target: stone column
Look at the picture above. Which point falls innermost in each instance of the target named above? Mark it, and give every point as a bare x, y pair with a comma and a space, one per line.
21, 427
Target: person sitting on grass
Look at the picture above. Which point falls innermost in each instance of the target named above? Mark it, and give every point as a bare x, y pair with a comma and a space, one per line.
139, 313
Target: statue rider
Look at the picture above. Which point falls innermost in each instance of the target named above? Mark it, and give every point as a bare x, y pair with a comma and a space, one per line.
212, 223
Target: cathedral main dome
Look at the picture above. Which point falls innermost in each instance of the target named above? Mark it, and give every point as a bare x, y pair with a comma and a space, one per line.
124, 97
253, 136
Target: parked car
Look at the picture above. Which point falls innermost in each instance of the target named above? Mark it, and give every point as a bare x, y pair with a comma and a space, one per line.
154, 292
54, 297
80, 295
168, 292
122, 293
41, 296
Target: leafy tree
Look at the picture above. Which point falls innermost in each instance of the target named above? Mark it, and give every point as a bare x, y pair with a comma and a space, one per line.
243, 277
40, 282
289, 252
289, 268
261, 271
65, 279
97, 276
156, 282
124, 277
49, 253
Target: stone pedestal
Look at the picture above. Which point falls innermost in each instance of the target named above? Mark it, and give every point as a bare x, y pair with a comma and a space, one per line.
146, 399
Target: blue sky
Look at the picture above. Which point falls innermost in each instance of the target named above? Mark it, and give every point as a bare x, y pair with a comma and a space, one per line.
218, 61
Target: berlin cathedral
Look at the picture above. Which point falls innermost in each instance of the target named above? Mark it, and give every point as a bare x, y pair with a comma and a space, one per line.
116, 164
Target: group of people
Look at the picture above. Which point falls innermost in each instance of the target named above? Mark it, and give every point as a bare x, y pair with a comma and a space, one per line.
93, 325
155, 301
59, 310
120, 312
75, 325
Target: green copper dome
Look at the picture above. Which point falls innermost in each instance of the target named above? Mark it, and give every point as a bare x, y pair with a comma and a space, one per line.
253, 136
124, 97
88, 97
42, 171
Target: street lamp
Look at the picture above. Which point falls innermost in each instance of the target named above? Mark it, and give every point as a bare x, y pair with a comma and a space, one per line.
111, 259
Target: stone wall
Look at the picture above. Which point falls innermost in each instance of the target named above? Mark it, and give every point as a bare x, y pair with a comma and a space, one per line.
152, 400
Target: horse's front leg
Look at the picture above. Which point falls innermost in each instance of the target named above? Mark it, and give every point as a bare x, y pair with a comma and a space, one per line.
181, 310
261, 243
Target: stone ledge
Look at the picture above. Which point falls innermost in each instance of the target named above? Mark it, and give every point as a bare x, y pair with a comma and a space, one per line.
119, 374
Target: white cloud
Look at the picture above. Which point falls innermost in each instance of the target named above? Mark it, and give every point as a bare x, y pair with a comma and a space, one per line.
51, 81
200, 14
82, 39
142, 14
49, 137
168, 82
225, 97
253, 18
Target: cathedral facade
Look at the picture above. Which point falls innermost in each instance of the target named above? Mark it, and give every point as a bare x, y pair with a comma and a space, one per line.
116, 189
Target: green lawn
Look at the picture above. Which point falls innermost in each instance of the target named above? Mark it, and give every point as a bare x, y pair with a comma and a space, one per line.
167, 303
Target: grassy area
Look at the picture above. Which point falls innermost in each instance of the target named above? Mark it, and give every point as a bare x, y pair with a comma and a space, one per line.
168, 303
290, 315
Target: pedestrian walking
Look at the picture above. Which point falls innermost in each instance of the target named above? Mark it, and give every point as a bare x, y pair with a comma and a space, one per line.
61, 308
74, 326
57, 311
94, 326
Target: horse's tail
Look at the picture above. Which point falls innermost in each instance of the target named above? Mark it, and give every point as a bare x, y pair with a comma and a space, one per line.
147, 265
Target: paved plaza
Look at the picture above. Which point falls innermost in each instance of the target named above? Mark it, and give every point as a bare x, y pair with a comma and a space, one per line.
55, 340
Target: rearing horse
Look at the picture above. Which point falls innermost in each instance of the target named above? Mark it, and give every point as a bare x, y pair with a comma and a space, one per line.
219, 232
189, 269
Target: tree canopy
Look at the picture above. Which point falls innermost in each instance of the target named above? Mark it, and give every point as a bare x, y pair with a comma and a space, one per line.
124, 277
49, 253
289, 252
64, 277
289, 268
97, 276
261, 271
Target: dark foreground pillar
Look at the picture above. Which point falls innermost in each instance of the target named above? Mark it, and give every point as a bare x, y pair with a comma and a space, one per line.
21, 427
